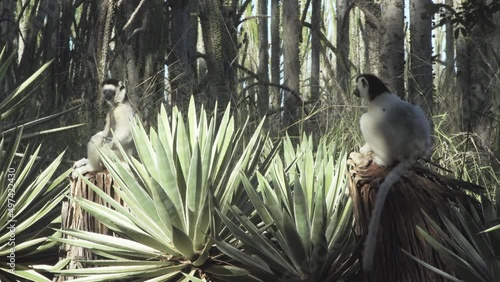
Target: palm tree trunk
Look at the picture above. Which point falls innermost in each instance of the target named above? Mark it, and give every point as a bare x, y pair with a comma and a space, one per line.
418, 194
217, 20
74, 217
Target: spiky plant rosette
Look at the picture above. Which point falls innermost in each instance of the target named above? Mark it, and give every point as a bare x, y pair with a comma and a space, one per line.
304, 232
166, 229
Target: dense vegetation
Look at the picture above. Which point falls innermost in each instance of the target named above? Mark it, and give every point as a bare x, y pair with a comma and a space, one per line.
217, 191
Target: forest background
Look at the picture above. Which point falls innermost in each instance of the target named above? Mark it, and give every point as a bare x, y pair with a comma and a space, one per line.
292, 62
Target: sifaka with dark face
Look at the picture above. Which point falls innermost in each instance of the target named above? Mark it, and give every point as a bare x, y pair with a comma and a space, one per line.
114, 92
116, 131
398, 134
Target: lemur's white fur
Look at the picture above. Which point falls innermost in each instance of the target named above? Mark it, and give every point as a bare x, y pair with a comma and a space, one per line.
117, 128
396, 132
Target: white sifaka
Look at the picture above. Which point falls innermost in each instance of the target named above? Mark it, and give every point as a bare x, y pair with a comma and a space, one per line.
117, 128
397, 132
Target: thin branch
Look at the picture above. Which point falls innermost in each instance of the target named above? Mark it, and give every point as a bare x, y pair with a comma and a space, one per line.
327, 42
134, 14
277, 85
304, 12
242, 10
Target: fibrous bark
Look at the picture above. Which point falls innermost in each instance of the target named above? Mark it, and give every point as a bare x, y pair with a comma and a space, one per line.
418, 191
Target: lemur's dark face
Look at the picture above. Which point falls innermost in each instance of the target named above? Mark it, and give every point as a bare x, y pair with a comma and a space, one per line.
368, 87
114, 91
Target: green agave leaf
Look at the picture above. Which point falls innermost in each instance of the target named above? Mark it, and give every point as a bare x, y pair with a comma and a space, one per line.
122, 224
50, 131
121, 272
223, 141
265, 247
191, 278
136, 198
194, 187
5, 64
301, 218
256, 244
193, 132
144, 149
165, 277
26, 273
243, 257
168, 176
182, 147
15, 96
494, 228
111, 242
226, 271
42, 120
129, 262
432, 268
183, 243
309, 217
467, 250
451, 260
166, 210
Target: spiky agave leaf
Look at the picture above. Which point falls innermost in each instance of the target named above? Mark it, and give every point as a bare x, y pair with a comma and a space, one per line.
29, 212
167, 220
17, 98
29, 195
305, 228
467, 248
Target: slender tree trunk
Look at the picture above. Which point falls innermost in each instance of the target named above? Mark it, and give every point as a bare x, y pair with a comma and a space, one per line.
49, 47
420, 84
181, 73
275, 52
291, 57
316, 19
392, 45
343, 71
263, 96
371, 39
463, 79
450, 45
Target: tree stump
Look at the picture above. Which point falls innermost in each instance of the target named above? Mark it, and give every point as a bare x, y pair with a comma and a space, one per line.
74, 217
418, 190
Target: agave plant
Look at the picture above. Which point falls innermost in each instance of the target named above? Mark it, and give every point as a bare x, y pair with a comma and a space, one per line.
29, 214
166, 229
17, 98
28, 193
470, 250
304, 232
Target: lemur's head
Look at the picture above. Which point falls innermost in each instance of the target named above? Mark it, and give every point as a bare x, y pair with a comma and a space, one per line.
369, 86
114, 91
